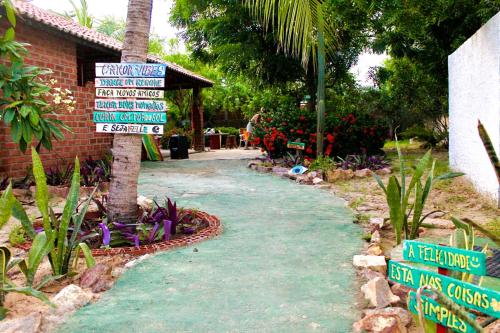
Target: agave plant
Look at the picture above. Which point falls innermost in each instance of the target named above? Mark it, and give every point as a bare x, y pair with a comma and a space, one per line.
57, 229
488, 145
398, 195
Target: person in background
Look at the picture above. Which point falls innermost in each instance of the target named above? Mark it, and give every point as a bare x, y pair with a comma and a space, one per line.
255, 120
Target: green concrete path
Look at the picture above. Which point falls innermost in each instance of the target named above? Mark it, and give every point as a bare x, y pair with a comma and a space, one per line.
283, 263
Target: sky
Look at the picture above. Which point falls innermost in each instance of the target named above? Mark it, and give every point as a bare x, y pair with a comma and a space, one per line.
161, 26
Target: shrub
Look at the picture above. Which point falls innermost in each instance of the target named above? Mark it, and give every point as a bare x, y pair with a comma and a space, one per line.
17, 236
359, 162
353, 133
324, 163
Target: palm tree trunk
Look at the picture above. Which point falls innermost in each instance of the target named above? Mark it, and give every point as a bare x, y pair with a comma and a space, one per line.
321, 93
122, 204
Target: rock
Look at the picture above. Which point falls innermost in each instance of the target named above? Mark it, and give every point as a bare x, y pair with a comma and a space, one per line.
71, 298
134, 262
380, 323
339, 174
401, 291
378, 293
317, 180
102, 285
363, 173
375, 237
384, 171
264, 169
404, 315
145, 203
375, 263
376, 222
302, 179
323, 186
117, 271
27, 324
375, 250
313, 174
280, 171
367, 274
397, 253
94, 275
251, 164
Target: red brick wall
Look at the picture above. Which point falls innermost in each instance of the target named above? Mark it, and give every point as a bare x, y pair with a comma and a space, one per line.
58, 54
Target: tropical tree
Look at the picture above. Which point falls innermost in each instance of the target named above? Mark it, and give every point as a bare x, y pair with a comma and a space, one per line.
301, 29
122, 204
80, 13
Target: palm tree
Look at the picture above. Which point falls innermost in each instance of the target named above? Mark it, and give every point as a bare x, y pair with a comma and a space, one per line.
80, 13
122, 204
301, 31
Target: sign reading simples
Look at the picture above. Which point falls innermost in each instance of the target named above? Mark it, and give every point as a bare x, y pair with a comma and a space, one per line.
463, 293
461, 260
130, 117
130, 70
130, 105
122, 82
129, 128
129, 93
437, 313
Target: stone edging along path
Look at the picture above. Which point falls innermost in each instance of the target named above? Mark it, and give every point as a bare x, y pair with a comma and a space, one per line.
214, 228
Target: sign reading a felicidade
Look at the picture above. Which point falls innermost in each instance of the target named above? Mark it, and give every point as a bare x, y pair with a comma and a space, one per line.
130, 70
130, 105
129, 128
461, 260
129, 93
129, 82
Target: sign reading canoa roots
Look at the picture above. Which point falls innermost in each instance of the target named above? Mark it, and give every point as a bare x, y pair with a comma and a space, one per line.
463, 293
129, 111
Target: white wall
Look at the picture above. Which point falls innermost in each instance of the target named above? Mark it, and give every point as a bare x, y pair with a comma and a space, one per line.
474, 82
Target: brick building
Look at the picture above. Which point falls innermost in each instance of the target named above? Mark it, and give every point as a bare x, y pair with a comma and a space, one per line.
71, 52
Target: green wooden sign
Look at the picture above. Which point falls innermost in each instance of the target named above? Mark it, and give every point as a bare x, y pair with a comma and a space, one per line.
439, 314
463, 293
296, 145
130, 105
461, 260
130, 117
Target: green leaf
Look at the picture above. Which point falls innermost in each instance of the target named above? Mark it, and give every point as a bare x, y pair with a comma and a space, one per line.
395, 211
78, 219
20, 214
16, 131
39, 249
5, 256
69, 208
34, 118
379, 181
419, 171
9, 35
42, 192
11, 15
27, 133
449, 175
29, 292
25, 110
9, 115
6, 202
89, 259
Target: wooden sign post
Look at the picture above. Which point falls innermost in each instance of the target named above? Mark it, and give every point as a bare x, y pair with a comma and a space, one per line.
463, 293
129, 111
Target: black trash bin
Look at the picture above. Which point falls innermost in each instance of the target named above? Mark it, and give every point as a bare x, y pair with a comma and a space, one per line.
178, 147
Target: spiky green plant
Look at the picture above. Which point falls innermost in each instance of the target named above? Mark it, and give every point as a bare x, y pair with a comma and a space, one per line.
488, 145
405, 202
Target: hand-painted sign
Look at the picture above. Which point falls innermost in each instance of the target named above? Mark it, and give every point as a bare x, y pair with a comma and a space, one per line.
296, 145
434, 311
130, 105
130, 117
129, 128
129, 70
461, 260
128, 82
463, 293
128, 93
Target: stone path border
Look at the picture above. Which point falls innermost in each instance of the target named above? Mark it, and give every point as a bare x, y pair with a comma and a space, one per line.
214, 228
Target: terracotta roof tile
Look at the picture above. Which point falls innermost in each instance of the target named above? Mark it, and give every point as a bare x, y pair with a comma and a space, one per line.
31, 12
